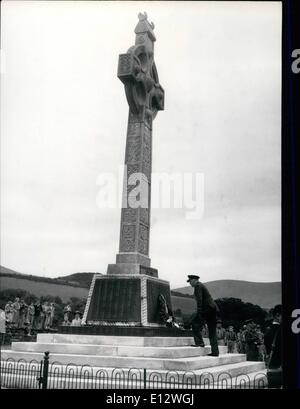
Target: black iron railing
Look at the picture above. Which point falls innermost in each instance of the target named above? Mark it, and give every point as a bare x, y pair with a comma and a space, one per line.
33, 374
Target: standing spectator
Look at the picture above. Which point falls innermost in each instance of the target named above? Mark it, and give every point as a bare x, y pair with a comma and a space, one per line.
230, 339
16, 311
9, 312
261, 345
26, 322
243, 339
220, 333
30, 316
77, 320
240, 341
252, 341
52, 313
66, 322
273, 349
37, 315
43, 315
22, 314
47, 312
67, 313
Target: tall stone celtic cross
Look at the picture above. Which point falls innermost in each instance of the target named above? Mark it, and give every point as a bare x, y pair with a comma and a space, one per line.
145, 97
129, 293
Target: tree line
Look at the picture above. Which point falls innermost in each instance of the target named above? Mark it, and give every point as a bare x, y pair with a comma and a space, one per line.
235, 312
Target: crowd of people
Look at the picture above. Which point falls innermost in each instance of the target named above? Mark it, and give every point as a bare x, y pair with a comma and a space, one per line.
249, 340
68, 321
37, 316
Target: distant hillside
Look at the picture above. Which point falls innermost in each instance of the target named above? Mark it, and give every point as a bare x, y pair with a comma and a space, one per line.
40, 286
82, 279
187, 305
265, 295
7, 272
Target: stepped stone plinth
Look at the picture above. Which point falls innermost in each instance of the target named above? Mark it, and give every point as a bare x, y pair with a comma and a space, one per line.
162, 355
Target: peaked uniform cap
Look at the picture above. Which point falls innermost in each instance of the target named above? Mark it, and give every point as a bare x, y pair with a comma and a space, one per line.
191, 277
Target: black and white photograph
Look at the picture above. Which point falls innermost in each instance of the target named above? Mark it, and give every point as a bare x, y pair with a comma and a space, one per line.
141, 195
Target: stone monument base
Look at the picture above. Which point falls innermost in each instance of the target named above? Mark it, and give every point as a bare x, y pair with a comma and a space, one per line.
129, 300
95, 361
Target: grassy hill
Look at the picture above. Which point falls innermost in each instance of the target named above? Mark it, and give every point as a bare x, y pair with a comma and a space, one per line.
82, 279
187, 305
7, 272
266, 295
41, 286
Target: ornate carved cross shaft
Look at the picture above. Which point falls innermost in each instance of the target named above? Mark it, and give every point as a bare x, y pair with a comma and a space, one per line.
128, 295
145, 97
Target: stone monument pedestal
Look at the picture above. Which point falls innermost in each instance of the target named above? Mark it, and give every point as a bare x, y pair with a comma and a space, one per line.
129, 300
132, 263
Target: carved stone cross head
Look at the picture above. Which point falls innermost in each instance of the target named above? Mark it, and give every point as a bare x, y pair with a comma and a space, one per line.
137, 71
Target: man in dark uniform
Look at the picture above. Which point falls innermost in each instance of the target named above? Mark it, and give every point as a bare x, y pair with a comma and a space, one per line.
37, 315
231, 339
243, 339
221, 332
207, 311
252, 341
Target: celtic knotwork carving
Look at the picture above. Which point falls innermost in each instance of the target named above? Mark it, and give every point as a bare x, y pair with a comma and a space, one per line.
133, 151
147, 146
127, 237
131, 171
144, 215
129, 215
143, 240
134, 129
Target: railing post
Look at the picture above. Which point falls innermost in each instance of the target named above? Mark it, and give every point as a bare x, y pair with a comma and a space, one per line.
45, 370
145, 378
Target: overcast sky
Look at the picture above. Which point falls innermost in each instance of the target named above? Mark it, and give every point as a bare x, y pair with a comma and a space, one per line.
64, 118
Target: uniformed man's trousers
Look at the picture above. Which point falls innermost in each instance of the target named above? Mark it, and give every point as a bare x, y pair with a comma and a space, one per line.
197, 326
